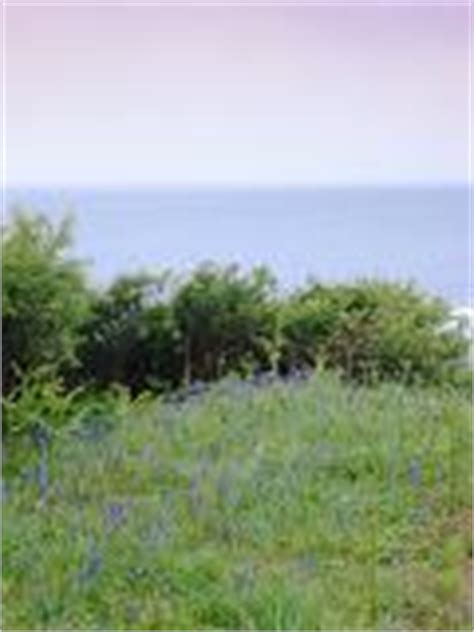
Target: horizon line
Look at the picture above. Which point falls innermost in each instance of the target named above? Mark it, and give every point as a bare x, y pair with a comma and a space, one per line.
244, 186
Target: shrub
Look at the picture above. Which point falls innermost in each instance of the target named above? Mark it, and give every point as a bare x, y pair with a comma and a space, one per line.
129, 337
38, 403
145, 333
370, 329
44, 298
227, 321
36, 411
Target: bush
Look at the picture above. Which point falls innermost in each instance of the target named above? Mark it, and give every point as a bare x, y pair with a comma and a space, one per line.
147, 334
227, 321
39, 403
130, 336
36, 411
370, 329
44, 298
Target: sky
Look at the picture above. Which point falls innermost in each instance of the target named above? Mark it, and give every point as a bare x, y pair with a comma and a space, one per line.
236, 95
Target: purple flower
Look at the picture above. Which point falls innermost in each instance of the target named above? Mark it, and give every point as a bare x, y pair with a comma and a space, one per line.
93, 563
42, 473
414, 472
115, 515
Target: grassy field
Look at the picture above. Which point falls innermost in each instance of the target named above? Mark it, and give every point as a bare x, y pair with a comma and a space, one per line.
300, 506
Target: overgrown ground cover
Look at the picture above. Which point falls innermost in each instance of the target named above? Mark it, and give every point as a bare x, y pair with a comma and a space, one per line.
313, 505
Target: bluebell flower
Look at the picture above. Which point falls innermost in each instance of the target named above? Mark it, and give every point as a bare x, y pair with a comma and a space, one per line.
414, 472
115, 515
43, 477
93, 563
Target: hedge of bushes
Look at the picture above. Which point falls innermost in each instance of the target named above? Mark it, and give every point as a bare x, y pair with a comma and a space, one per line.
160, 332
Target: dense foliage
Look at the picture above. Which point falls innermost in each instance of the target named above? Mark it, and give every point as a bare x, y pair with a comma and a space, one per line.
130, 337
44, 298
159, 332
226, 321
370, 329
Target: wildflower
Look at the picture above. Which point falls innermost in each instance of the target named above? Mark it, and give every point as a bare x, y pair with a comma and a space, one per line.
93, 563
115, 515
41, 435
414, 472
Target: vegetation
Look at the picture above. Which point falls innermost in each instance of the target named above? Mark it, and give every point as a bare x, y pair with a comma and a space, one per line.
130, 337
311, 505
159, 332
44, 297
371, 329
151, 482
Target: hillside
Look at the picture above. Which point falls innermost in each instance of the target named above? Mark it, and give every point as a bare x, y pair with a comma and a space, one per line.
310, 505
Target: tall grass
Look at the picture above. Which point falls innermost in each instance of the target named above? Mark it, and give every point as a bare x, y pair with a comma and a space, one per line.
304, 506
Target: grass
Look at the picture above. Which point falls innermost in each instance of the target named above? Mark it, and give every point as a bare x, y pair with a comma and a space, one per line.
305, 506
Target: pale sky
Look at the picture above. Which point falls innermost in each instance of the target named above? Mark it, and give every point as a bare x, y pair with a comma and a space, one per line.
265, 96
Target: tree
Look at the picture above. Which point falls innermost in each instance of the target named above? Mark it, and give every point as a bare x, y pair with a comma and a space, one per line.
130, 336
370, 328
227, 321
45, 298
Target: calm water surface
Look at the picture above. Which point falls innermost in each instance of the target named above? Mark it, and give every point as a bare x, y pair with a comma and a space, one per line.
339, 234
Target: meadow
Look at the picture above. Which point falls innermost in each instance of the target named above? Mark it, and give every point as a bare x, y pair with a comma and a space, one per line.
312, 504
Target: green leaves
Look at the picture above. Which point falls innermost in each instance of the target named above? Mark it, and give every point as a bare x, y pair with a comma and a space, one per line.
160, 332
370, 329
227, 320
45, 297
130, 337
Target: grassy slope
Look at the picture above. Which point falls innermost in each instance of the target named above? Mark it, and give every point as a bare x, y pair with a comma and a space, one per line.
313, 506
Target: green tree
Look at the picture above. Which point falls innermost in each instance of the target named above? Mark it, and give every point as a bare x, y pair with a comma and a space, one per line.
130, 336
45, 298
368, 329
227, 321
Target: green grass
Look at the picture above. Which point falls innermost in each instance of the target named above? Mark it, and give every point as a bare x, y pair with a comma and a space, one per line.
311, 506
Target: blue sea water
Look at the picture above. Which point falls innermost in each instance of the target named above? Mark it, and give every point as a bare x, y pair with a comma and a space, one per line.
411, 234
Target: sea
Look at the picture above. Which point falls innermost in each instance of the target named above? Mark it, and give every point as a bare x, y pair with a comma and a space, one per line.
414, 234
